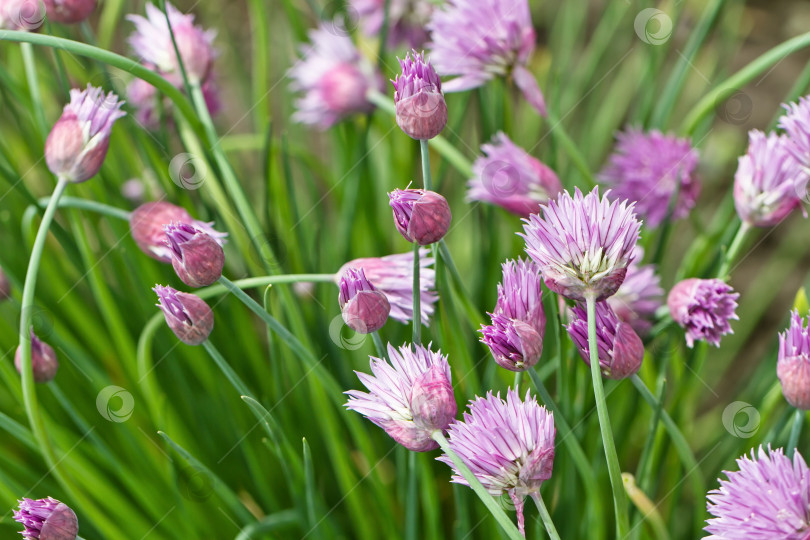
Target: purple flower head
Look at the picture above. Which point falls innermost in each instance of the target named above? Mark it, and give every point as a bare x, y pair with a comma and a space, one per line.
333, 77
766, 180
796, 123
187, 315
420, 106
393, 275
69, 11
506, 175
147, 226
5, 286
583, 244
43, 360
479, 39
364, 308
620, 349
47, 519
793, 365
520, 294
640, 295
420, 216
78, 142
514, 344
409, 398
27, 15
152, 41
768, 498
406, 20
197, 257
508, 445
703, 308
648, 169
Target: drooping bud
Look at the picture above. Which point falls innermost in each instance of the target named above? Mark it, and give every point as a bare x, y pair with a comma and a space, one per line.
364, 308
43, 360
420, 216
147, 223
197, 257
620, 349
793, 364
516, 345
69, 11
188, 316
703, 308
420, 106
47, 519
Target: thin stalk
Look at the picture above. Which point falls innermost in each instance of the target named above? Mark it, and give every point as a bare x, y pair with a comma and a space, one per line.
33, 88
619, 495
518, 377
378, 344
570, 147
733, 250
795, 431
411, 506
426, 177
489, 501
545, 516
227, 370
417, 298
86, 204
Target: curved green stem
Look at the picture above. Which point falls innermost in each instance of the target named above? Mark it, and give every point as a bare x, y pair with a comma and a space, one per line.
86, 204
795, 431
745, 75
733, 250
619, 495
489, 501
545, 516
112, 59
227, 370
33, 88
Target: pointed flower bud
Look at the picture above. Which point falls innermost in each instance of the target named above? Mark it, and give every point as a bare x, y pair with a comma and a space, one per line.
365, 309
409, 398
147, 225
188, 316
197, 257
703, 308
69, 11
420, 216
520, 294
43, 360
516, 345
420, 105
793, 365
78, 142
47, 519
620, 349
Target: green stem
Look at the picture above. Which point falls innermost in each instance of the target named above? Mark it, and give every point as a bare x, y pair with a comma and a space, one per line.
417, 298
378, 344
518, 377
558, 132
545, 516
619, 495
795, 431
411, 506
112, 59
745, 75
733, 250
33, 88
426, 177
227, 370
497, 512
93, 206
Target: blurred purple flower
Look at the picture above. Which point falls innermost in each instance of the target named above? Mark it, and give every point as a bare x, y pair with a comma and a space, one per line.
793, 364
364, 308
420, 216
796, 123
47, 519
508, 446
393, 275
767, 499
78, 142
147, 102
409, 398
44, 364
152, 41
639, 296
766, 180
26, 15
479, 39
648, 169
506, 175
421, 111
333, 77
147, 223
703, 308
583, 244
406, 20
69, 11
619, 347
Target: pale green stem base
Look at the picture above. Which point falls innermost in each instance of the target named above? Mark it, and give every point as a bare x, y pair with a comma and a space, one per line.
545, 516
795, 432
411, 505
417, 298
733, 250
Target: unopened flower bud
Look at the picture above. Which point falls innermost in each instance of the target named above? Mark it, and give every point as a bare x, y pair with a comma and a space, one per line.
188, 316
432, 400
364, 308
47, 519
197, 258
420, 106
793, 364
43, 360
514, 344
421, 216
69, 11
147, 226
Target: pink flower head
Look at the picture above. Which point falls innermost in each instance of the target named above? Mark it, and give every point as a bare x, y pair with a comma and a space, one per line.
703, 308
152, 41
508, 445
793, 364
648, 169
480, 39
766, 180
333, 78
69, 11
197, 257
47, 519
147, 226
409, 398
393, 275
506, 175
583, 244
639, 296
364, 308
796, 123
27, 15
421, 111
420, 216
187, 315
